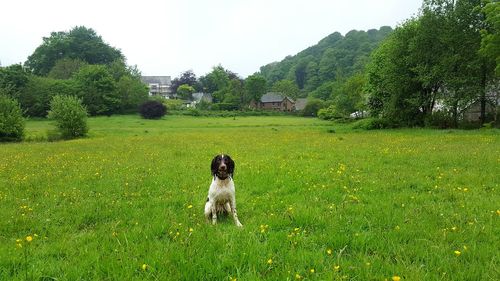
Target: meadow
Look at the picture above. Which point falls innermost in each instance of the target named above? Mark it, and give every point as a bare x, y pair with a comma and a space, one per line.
318, 201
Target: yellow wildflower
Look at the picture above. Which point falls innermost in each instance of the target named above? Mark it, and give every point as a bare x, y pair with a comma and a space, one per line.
329, 252
336, 268
144, 266
190, 206
29, 238
457, 253
396, 278
270, 261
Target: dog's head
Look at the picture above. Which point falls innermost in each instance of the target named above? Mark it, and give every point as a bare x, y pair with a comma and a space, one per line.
222, 166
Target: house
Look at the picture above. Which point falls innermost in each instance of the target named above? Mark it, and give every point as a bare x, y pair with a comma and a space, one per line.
159, 86
472, 112
274, 101
198, 97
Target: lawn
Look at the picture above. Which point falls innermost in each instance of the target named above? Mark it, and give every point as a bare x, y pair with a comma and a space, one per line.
318, 201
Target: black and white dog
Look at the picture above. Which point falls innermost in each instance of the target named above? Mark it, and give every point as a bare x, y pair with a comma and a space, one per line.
221, 195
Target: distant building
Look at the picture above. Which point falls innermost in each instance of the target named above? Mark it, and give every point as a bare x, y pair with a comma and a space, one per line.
159, 86
198, 97
472, 112
274, 101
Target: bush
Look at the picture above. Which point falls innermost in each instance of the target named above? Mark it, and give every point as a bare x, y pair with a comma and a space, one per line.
329, 113
152, 109
439, 119
11, 120
172, 104
225, 106
375, 123
312, 107
70, 116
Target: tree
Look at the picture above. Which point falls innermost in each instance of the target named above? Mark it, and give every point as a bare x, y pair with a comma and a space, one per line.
36, 96
11, 119
394, 91
350, 97
216, 80
185, 92
255, 88
79, 43
186, 78
490, 37
312, 107
13, 79
97, 89
132, 93
287, 88
434, 57
70, 116
65, 68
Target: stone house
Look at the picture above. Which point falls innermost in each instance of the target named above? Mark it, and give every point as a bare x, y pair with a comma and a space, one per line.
274, 101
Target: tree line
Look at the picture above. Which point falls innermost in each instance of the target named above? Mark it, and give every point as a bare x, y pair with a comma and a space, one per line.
428, 71
437, 64
75, 63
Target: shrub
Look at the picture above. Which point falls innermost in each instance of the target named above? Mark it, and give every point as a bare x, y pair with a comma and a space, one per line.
70, 116
375, 123
171, 104
439, 119
329, 113
11, 120
152, 110
312, 107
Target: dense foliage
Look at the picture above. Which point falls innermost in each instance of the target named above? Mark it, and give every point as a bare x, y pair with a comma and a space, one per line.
433, 60
11, 119
69, 115
152, 109
106, 88
334, 58
80, 43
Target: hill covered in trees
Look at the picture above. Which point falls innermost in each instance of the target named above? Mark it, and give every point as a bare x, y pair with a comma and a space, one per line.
335, 57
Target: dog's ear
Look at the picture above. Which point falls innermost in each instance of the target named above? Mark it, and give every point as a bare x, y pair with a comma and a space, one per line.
230, 165
215, 165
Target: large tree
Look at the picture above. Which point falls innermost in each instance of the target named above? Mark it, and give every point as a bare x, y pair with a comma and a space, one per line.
79, 43
97, 89
287, 88
255, 88
490, 45
186, 78
215, 80
429, 59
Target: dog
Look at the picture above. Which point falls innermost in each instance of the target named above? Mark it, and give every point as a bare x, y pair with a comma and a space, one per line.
221, 194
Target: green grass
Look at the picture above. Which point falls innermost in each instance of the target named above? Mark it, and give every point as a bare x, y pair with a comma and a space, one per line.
386, 203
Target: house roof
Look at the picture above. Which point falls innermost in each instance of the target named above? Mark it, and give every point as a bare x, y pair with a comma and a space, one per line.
162, 80
272, 97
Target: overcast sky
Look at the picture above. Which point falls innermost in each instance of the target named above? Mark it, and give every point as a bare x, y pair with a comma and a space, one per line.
167, 37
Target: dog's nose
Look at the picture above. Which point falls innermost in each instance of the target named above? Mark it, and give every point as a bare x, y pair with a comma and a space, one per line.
222, 167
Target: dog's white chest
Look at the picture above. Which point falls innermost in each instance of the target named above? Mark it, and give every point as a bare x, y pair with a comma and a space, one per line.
221, 191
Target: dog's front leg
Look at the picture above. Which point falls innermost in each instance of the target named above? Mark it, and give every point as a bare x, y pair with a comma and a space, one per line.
234, 213
214, 214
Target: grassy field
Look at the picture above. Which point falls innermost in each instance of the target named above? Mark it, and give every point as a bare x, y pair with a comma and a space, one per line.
318, 201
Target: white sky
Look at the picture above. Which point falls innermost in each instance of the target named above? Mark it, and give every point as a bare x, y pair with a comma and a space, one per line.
167, 37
